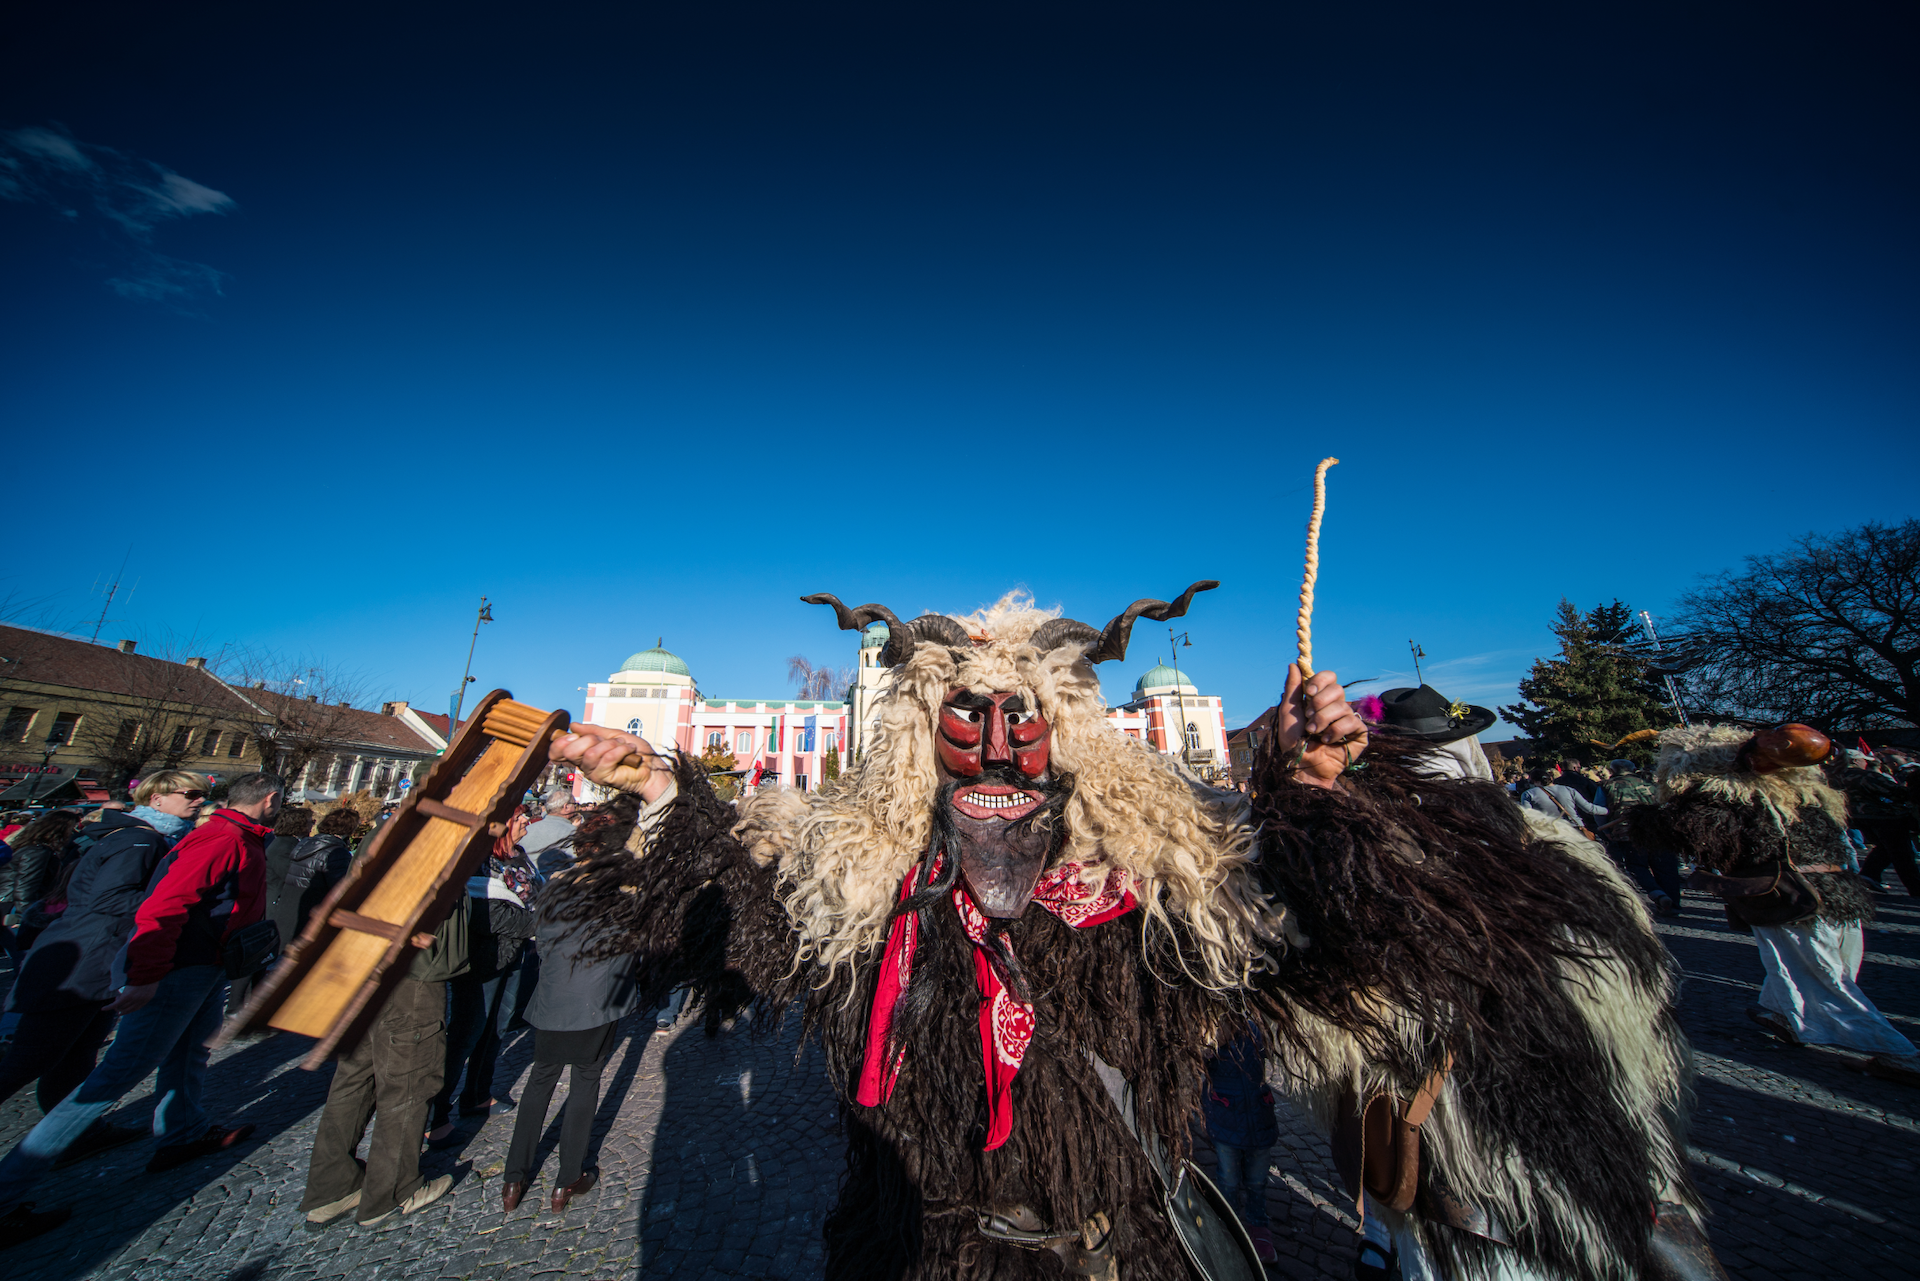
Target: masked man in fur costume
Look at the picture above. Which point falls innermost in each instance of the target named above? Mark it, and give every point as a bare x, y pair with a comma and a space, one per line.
1018, 935
1766, 833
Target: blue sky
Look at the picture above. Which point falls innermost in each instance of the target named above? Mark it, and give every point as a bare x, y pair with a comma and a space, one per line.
646, 320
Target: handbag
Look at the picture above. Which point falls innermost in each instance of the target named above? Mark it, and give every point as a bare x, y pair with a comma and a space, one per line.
1773, 897
1377, 1148
1561, 805
251, 949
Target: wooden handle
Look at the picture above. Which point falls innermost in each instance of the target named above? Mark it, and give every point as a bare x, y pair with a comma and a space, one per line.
632, 760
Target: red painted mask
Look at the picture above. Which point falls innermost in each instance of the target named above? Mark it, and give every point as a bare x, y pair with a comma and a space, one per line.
999, 734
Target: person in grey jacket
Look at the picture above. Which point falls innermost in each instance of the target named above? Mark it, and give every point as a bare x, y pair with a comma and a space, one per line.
576, 1010
1557, 800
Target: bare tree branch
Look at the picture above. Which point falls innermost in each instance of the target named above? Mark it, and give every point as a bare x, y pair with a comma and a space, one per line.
161, 709
305, 708
1823, 633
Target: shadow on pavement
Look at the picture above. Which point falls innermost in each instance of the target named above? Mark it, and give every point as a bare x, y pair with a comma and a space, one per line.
257, 1085
1779, 1175
734, 1184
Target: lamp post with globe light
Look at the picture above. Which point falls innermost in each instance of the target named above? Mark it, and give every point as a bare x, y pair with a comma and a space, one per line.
1180, 692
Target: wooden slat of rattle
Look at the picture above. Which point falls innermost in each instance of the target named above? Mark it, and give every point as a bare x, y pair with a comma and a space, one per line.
513, 722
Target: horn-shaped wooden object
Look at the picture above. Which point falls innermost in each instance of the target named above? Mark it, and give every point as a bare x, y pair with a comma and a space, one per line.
358, 944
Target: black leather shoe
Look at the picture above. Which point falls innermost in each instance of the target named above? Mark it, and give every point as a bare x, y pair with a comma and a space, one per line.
97, 1138
217, 1139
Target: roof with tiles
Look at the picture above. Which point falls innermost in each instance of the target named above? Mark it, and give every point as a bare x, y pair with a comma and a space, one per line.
348, 726
438, 722
47, 658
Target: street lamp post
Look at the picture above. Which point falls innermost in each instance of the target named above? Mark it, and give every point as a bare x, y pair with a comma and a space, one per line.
466, 678
1180, 693
52, 745
1673, 691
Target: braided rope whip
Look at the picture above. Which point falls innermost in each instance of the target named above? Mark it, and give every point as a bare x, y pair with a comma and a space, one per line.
1305, 627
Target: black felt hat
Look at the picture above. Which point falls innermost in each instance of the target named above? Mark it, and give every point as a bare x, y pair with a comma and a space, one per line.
1427, 714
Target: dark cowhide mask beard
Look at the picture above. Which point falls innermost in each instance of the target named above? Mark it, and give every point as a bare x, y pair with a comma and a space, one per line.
1002, 861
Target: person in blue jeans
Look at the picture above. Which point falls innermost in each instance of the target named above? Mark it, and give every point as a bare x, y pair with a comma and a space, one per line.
1238, 1107
210, 885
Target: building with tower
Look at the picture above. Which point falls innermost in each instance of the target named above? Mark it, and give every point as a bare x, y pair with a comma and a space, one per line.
654, 695
1171, 714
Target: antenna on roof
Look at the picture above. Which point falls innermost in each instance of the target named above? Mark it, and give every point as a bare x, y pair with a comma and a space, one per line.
111, 593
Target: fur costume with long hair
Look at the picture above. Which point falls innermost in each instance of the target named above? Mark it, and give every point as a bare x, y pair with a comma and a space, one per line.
1730, 820
1438, 921
1373, 930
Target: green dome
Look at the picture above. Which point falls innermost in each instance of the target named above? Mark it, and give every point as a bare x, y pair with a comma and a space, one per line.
1160, 676
656, 660
875, 636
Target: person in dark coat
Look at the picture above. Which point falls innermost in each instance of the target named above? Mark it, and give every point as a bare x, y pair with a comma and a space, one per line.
67, 980
501, 902
575, 1011
41, 852
1238, 1107
316, 865
1884, 809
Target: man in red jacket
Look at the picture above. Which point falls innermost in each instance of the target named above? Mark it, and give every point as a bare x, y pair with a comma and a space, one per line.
209, 888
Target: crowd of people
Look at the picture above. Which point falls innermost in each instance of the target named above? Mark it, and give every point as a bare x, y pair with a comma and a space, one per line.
132, 930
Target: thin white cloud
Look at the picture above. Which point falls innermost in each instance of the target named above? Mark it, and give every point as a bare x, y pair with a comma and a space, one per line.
48, 166
54, 148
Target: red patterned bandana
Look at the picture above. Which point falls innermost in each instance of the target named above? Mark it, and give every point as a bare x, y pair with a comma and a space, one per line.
1006, 1022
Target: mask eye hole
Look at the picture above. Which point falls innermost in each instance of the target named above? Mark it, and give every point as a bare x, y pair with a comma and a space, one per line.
968, 714
1014, 718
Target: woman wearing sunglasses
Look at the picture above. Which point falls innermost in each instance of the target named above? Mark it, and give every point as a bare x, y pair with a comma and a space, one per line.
66, 980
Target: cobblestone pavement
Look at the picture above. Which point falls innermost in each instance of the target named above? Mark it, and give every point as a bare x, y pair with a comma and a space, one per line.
719, 1158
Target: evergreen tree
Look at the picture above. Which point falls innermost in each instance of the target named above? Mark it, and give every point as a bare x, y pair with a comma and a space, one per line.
1594, 694
716, 761
830, 767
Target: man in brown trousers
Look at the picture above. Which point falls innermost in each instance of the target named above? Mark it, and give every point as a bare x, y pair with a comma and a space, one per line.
389, 1077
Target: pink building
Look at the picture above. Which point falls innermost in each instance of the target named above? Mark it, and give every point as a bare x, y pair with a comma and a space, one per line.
654, 695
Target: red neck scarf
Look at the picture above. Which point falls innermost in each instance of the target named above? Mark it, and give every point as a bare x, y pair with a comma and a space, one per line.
1006, 1022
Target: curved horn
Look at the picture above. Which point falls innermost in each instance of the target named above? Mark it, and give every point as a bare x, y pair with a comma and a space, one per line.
1113, 643
937, 629
1063, 631
854, 620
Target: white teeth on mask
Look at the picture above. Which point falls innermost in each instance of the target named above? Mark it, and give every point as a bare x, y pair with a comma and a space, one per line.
989, 802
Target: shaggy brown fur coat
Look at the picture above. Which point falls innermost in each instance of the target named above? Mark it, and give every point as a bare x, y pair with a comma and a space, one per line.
1726, 820
698, 907
1437, 924
1428, 921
